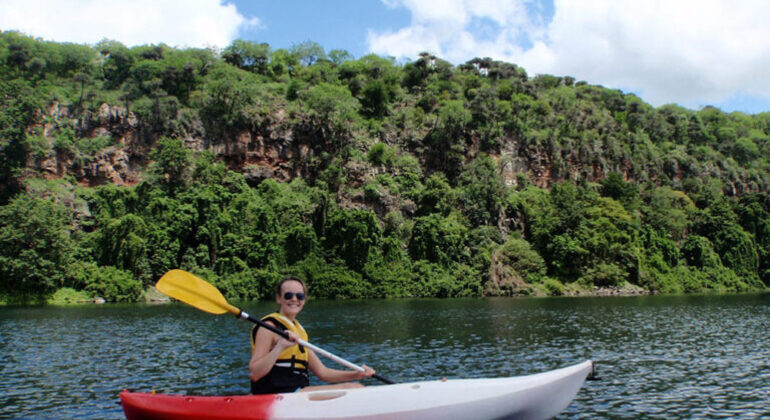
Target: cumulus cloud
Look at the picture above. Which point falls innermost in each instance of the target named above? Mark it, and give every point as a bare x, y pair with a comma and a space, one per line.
686, 51
180, 23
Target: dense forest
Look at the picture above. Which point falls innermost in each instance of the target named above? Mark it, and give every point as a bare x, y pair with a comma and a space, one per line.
367, 177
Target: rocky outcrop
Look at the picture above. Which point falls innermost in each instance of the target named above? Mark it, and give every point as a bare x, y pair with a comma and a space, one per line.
503, 279
282, 148
120, 163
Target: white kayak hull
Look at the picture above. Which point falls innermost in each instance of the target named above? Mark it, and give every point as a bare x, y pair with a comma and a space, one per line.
538, 396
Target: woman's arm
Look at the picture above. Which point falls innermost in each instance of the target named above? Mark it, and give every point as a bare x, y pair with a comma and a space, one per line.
267, 347
335, 375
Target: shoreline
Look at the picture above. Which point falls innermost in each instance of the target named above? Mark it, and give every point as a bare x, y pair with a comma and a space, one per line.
153, 297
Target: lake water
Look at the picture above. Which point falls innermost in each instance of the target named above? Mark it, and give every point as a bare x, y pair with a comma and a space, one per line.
657, 356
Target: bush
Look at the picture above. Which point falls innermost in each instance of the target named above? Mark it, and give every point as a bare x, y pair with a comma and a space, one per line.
438, 239
381, 154
248, 284
604, 275
332, 280
114, 285
699, 252
389, 279
553, 287
68, 295
434, 280
519, 255
300, 241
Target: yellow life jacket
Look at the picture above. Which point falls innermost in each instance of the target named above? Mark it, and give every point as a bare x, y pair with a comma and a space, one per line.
295, 357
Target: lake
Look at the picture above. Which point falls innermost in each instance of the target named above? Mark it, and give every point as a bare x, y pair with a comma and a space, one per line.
656, 356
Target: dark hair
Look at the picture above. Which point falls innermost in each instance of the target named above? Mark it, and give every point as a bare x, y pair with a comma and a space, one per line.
289, 278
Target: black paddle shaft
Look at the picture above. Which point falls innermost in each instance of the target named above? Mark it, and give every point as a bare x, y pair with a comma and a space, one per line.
285, 335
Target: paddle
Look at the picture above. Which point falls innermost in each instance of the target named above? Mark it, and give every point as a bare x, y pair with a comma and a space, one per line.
199, 293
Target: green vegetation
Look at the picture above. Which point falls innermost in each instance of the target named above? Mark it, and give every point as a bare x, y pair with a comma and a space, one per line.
423, 179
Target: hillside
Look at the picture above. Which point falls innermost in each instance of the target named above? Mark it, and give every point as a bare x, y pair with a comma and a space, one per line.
367, 177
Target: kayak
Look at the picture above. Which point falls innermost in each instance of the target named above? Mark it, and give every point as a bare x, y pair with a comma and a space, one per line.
538, 396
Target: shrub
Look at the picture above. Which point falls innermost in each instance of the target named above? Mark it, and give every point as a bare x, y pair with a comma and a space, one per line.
68, 295
381, 154
603, 275
553, 287
114, 285
332, 280
519, 255
248, 284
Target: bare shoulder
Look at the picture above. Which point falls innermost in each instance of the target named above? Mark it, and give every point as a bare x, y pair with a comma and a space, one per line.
264, 335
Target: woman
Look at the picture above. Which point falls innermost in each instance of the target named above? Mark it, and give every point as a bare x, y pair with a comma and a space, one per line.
278, 365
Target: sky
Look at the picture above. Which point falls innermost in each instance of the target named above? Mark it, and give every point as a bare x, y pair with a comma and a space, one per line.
690, 52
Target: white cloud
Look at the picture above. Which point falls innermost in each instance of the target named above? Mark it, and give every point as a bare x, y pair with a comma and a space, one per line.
686, 51
180, 23
444, 27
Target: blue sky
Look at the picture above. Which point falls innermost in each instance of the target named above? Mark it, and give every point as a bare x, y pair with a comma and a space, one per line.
691, 52
334, 25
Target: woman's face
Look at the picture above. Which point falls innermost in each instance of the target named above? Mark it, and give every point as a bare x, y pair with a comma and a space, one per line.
293, 305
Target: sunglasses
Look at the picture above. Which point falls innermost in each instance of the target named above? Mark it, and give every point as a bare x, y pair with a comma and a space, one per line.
289, 295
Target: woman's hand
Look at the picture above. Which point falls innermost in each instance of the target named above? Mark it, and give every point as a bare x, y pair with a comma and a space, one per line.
367, 373
284, 344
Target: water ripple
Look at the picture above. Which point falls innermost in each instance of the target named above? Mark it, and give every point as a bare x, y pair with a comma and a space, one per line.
658, 357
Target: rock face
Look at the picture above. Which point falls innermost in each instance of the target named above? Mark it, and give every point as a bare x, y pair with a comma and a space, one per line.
272, 150
281, 148
118, 164
503, 279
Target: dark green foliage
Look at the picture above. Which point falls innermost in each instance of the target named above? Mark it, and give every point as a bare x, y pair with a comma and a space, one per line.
431, 279
351, 235
226, 98
114, 285
375, 98
381, 154
482, 191
300, 242
438, 239
17, 112
249, 284
436, 197
35, 248
615, 187
332, 280
334, 109
172, 161
519, 255
698, 252
248, 55
397, 177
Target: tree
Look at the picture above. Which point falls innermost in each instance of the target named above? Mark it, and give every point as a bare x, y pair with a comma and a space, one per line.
35, 248
448, 139
227, 94
308, 52
334, 110
117, 63
745, 150
615, 187
438, 239
375, 98
352, 235
18, 107
436, 197
339, 56
171, 163
482, 191
248, 55
122, 243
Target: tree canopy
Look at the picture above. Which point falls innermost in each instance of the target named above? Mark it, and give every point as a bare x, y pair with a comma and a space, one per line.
367, 177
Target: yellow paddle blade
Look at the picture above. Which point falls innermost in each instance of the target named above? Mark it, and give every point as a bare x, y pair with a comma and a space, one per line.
194, 291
